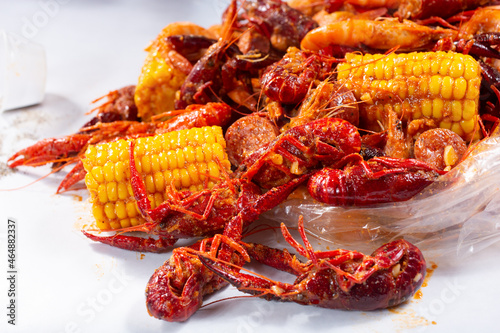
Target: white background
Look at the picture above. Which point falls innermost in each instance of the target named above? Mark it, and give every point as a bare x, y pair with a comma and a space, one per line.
66, 283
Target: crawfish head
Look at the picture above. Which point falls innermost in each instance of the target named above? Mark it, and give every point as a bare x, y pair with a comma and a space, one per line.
275, 19
337, 279
175, 291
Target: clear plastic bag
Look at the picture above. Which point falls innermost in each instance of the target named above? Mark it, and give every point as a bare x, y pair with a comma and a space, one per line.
455, 216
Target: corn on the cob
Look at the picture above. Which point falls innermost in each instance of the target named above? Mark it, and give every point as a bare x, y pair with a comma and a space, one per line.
160, 78
158, 82
443, 86
182, 158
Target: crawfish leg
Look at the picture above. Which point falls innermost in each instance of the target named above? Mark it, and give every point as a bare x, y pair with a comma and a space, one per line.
133, 243
74, 176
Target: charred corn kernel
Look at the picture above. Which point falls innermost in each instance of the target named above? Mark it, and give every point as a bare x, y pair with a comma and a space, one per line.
443, 86
193, 155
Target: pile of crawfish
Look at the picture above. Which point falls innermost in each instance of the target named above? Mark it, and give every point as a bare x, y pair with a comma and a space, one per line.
267, 76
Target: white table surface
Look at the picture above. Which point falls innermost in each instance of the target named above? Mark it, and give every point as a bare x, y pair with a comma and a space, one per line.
66, 283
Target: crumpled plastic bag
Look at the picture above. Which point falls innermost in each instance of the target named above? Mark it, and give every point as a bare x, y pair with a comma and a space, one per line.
456, 216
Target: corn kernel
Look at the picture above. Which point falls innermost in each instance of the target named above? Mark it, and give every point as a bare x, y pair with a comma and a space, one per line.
459, 88
131, 208
445, 124
97, 174
159, 181
172, 159
456, 69
122, 191
90, 181
185, 179
115, 225
181, 162
125, 223
155, 163
447, 87
176, 178
150, 184
468, 125
455, 127
120, 210
101, 157
102, 193
473, 88
437, 108
163, 161
471, 70
109, 210
189, 154
445, 67
469, 109
427, 108
146, 164
112, 191
435, 85
90, 153
98, 212
102, 224
456, 111
108, 171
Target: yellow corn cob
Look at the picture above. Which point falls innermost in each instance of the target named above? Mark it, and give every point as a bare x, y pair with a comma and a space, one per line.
182, 158
160, 78
157, 85
443, 86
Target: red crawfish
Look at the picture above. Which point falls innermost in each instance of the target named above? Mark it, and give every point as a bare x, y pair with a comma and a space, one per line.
68, 149
283, 25
300, 150
378, 180
176, 289
288, 80
338, 279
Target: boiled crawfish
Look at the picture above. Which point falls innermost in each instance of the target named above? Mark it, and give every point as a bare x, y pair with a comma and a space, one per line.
338, 279
378, 180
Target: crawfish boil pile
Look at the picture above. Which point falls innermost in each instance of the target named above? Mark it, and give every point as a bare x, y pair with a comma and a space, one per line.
359, 102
